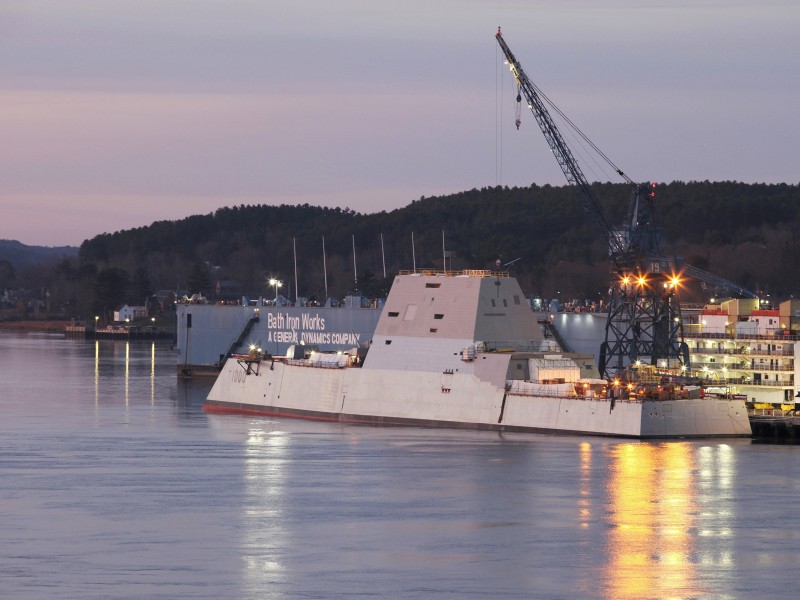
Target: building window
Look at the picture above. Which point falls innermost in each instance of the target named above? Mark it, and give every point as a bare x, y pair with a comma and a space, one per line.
516, 299
493, 303
433, 330
394, 314
505, 303
433, 285
388, 342
438, 316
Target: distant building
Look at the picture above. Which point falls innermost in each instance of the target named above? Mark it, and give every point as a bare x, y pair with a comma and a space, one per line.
748, 349
161, 301
227, 289
130, 313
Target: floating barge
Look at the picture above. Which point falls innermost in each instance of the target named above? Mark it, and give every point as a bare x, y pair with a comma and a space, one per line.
208, 334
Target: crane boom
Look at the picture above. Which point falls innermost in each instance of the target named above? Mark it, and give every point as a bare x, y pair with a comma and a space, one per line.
718, 281
569, 166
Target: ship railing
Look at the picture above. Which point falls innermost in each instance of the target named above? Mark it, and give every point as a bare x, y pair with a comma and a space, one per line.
304, 362
742, 351
775, 412
780, 383
571, 396
457, 273
514, 346
777, 335
752, 352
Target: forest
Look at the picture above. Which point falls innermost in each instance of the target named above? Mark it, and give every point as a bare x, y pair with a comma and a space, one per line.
540, 234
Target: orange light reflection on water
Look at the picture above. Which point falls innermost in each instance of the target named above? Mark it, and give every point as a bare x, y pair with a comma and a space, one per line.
584, 499
652, 501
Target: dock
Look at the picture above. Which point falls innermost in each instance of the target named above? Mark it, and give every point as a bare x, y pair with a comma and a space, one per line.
776, 427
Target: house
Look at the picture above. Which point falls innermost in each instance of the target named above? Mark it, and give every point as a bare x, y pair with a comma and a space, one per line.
130, 313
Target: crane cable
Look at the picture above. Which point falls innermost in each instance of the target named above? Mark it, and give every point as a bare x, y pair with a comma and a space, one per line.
581, 133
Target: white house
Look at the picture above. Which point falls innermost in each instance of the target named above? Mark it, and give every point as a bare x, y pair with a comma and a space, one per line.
130, 313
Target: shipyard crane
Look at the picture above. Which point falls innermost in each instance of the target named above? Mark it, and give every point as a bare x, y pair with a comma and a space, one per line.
644, 317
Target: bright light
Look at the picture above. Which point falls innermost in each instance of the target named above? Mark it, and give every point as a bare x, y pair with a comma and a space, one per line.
683, 368
276, 283
675, 281
638, 363
641, 280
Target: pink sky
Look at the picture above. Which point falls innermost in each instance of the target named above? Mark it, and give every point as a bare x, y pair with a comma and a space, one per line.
117, 114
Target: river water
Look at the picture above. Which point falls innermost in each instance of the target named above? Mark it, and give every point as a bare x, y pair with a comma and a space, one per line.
115, 484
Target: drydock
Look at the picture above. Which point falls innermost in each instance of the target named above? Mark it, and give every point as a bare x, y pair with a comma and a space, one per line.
209, 333
463, 350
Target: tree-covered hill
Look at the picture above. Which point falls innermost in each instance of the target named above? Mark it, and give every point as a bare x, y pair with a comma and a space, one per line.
743, 232
20, 255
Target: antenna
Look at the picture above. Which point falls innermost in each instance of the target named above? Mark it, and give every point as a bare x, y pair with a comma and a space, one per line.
383, 258
294, 249
355, 270
444, 254
325, 269
413, 253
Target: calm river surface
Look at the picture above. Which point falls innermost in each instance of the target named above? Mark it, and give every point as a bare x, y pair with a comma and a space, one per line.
115, 484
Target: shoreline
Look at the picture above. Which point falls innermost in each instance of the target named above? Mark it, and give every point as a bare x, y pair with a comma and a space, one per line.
47, 326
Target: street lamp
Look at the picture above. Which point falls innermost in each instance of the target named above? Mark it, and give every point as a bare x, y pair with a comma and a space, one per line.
276, 284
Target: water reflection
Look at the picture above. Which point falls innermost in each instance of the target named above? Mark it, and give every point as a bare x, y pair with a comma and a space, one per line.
670, 517
152, 374
127, 371
716, 475
585, 489
652, 503
96, 373
265, 535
